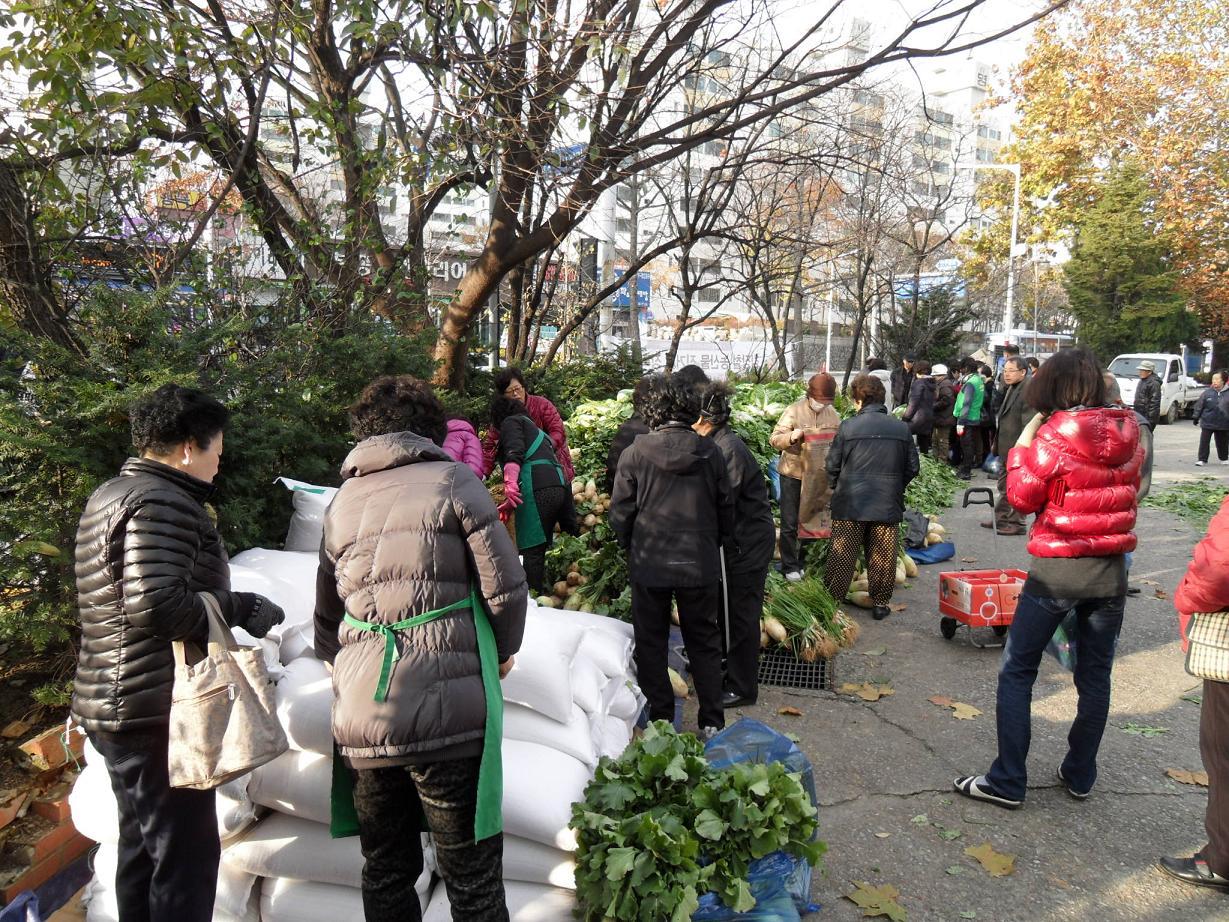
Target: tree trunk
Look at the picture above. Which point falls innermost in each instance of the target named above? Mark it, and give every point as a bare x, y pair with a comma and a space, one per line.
25, 279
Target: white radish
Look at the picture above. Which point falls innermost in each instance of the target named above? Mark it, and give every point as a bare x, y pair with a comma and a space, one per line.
775, 629
680, 687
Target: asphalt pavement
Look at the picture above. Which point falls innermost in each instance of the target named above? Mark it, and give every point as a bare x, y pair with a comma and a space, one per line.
884, 769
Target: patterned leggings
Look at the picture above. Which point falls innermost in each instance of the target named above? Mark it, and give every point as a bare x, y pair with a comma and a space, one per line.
879, 542
391, 804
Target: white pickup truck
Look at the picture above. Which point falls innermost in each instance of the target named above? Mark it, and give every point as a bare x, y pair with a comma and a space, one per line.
1179, 391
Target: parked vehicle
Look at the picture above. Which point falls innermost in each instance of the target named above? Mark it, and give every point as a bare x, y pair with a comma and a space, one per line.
1179, 391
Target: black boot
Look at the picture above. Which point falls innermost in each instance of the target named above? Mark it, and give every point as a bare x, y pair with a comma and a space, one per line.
880, 612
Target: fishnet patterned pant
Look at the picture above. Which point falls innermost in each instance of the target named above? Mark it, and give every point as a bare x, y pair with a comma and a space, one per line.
879, 542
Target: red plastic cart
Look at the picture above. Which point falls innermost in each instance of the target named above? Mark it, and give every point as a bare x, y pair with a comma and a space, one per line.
979, 598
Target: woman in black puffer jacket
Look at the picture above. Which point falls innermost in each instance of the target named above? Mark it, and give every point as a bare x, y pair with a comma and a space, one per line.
871, 461
146, 551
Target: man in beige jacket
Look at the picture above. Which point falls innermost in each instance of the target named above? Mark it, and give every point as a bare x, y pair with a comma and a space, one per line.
812, 415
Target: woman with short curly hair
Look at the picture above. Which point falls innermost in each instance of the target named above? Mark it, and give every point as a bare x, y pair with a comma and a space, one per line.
420, 607
147, 554
672, 509
510, 383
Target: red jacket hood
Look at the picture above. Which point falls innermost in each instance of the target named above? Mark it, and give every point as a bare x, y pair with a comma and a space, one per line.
1106, 436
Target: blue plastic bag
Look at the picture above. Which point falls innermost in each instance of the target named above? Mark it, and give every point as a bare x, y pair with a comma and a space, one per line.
24, 908
780, 883
936, 553
774, 478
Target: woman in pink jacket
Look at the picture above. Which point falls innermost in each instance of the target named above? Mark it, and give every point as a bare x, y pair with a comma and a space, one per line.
462, 445
1205, 588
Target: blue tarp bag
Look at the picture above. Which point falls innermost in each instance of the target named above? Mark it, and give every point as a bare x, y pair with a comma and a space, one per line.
936, 553
774, 478
780, 883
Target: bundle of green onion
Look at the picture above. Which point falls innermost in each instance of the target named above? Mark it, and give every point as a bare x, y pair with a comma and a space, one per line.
805, 618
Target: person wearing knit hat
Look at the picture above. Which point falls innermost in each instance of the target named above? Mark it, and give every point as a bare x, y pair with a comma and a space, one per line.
944, 420
802, 435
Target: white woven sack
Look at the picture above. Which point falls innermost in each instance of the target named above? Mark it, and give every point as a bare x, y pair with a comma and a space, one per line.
623, 699
305, 705
581, 619
284, 900
95, 813
307, 524
236, 898
535, 863
588, 683
297, 783
612, 652
614, 736
526, 903
286, 846
541, 679
286, 577
574, 737
540, 786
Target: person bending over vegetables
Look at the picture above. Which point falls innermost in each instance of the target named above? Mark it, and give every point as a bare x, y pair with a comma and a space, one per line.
511, 383
871, 462
672, 510
754, 535
535, 490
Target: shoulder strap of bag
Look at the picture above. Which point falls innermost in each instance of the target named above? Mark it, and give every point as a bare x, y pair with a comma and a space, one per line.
220, 637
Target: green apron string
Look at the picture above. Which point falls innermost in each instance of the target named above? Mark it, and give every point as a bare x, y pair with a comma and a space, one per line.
488, 815
388, 631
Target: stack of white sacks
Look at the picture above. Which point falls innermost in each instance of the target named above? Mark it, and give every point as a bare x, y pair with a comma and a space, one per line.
570, 699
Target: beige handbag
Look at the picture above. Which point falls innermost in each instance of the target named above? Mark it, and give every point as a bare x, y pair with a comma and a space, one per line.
223, 711
1207, 656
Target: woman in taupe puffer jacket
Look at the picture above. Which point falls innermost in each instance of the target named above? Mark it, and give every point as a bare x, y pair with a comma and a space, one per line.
410, 534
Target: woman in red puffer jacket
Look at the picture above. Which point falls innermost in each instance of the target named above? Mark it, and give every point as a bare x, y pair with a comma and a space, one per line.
1205, 588
1077, 466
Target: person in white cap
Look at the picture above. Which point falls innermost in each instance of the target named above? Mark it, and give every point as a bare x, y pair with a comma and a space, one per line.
1148, 394
945, 399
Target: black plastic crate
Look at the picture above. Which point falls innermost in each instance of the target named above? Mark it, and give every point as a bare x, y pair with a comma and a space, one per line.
783, 669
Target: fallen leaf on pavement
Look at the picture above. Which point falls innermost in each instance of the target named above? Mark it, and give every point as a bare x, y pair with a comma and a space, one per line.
920, 820
1184, 777
15, 729
1193, 699
1162, 594
883, 835
789, 712
960, 710
878, 901
968, 914
968, 560
867, 691
949, 835
996, 864
898, 606
1147, 582
956, 870
877, 651
1142, 730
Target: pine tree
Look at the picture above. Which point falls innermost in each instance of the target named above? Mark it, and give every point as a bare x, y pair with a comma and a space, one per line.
1121, 280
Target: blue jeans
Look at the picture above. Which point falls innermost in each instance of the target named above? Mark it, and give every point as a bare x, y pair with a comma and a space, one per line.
1034, 624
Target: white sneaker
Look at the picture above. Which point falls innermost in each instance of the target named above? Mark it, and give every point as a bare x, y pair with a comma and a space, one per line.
1226, 463
794, 576
1202, 463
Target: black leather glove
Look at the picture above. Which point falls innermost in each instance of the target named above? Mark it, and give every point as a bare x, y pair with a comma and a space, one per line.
258, 615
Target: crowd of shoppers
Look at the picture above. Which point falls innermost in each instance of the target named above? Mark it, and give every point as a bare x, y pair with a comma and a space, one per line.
691, 507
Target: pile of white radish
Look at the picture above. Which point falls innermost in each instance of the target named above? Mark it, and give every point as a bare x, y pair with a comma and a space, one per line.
935, 533
591, 506
859, 589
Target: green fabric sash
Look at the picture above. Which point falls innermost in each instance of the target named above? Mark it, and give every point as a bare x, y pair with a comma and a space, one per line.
529, 531
488, 818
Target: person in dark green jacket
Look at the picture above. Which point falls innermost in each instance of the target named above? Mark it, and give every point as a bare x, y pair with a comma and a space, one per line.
968, 412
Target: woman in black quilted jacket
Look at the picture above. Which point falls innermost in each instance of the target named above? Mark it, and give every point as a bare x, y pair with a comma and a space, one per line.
146, 552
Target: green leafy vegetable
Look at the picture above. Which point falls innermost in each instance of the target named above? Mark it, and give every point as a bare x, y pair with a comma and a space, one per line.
659, 827
1193, 501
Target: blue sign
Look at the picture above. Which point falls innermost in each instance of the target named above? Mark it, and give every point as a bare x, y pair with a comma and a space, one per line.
623, 297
